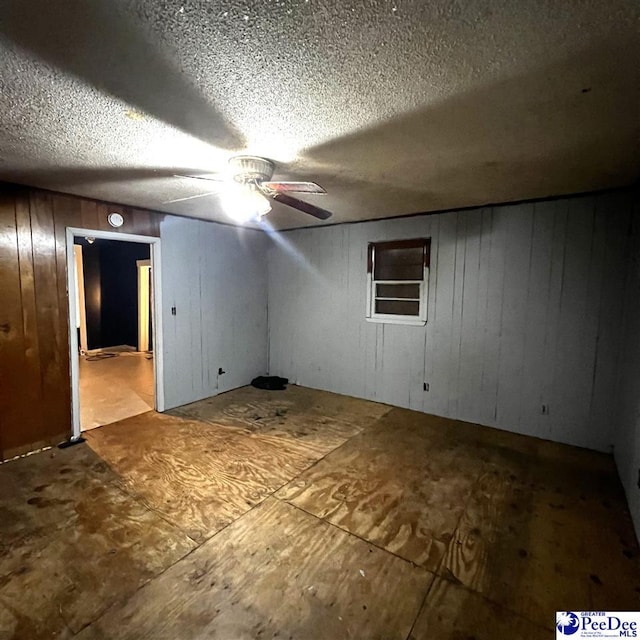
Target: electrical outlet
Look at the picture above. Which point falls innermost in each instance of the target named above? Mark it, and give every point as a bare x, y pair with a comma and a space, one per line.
425, 386
545, 410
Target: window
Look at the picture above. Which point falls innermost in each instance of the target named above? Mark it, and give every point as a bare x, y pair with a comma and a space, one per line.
397, 281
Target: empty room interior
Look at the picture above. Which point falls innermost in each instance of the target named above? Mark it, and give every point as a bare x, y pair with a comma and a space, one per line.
319, 319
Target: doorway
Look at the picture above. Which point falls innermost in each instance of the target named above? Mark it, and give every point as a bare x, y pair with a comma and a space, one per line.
114, 326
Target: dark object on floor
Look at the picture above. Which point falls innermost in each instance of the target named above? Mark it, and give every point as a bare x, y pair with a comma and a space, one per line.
271, 383
101, 356
70, 443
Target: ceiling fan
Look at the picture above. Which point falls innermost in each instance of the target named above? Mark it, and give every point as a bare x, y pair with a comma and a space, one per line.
247, 189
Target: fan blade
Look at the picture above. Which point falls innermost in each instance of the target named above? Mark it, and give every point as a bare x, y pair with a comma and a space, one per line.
199, 195
305, 207
293, 187
217, 178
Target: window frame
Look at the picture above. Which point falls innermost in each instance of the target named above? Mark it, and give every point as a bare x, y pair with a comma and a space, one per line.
391, 318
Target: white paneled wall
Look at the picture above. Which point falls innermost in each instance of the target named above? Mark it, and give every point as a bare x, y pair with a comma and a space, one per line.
525, 304
215, 277
627, 442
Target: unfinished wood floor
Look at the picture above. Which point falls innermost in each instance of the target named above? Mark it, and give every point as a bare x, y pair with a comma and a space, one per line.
304, 514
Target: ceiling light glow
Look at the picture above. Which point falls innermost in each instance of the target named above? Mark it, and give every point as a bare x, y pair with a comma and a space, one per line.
243, 203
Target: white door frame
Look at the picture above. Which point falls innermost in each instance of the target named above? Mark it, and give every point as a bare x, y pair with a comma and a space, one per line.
79, 263
74, 360
143, 268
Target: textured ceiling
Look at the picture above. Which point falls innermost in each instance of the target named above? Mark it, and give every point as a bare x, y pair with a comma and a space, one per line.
395, 107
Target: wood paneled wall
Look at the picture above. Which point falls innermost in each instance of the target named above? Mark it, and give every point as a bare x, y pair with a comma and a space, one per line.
216, 278
525, 305
34, 350
627, 403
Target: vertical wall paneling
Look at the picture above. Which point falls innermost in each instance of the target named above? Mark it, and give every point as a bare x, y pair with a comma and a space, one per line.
215, 278
442, 314
181, 287
66, 212
592, 326
518, 221
35, 391
491, 350
213, 275
352, 332
472, 377
30, 367
522, 313
627, 397
432, 231
89, 215
615, 275
457, 309
572, 374
534, 371
51, 326
552, 317
14, 367
30, 309
469, 360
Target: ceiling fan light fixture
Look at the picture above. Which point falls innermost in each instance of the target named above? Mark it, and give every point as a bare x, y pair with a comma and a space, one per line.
245, 203
248, 190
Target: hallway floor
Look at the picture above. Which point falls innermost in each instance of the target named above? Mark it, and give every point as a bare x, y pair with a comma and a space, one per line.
113, 389
307, 515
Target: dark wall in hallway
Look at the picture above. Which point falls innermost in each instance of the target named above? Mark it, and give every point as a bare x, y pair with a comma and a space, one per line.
119, 278
92, 291
111, 291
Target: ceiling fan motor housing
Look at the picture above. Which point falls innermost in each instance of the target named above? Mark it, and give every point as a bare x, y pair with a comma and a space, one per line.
251, 169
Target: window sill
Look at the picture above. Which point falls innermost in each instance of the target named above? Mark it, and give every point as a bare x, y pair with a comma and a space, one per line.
406, 321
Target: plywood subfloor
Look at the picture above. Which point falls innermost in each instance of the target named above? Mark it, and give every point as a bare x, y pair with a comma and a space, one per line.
71, 542
320, 417
517, 520
302, 514
276, 572
201, 474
